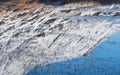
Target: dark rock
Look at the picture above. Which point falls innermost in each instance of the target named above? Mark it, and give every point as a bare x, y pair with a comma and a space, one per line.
2, 22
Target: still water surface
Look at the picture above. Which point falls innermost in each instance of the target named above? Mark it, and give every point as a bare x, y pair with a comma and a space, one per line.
105, 60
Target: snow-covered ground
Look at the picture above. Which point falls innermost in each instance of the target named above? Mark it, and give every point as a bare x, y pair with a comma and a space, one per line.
104, 60
41, 36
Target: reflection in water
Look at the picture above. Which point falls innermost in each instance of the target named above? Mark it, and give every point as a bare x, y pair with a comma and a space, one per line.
105, 60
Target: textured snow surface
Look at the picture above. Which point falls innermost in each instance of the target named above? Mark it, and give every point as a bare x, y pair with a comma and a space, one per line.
37, 37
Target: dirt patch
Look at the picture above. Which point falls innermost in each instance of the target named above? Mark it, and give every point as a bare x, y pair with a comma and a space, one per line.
17, 5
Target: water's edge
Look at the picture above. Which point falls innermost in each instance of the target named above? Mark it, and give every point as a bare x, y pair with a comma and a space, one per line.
104, 60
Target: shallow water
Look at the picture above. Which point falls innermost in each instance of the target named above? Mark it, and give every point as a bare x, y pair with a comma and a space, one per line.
105, 60
110, 48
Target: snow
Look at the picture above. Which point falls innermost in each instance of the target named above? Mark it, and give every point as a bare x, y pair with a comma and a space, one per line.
39, 37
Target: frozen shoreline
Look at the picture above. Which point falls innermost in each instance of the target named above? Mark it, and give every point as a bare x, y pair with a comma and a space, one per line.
35, 38
103, 60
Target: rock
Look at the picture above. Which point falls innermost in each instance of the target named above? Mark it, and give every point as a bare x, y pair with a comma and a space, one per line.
2, 22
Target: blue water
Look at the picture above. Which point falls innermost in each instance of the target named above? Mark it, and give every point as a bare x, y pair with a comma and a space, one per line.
105, 60
110, 48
